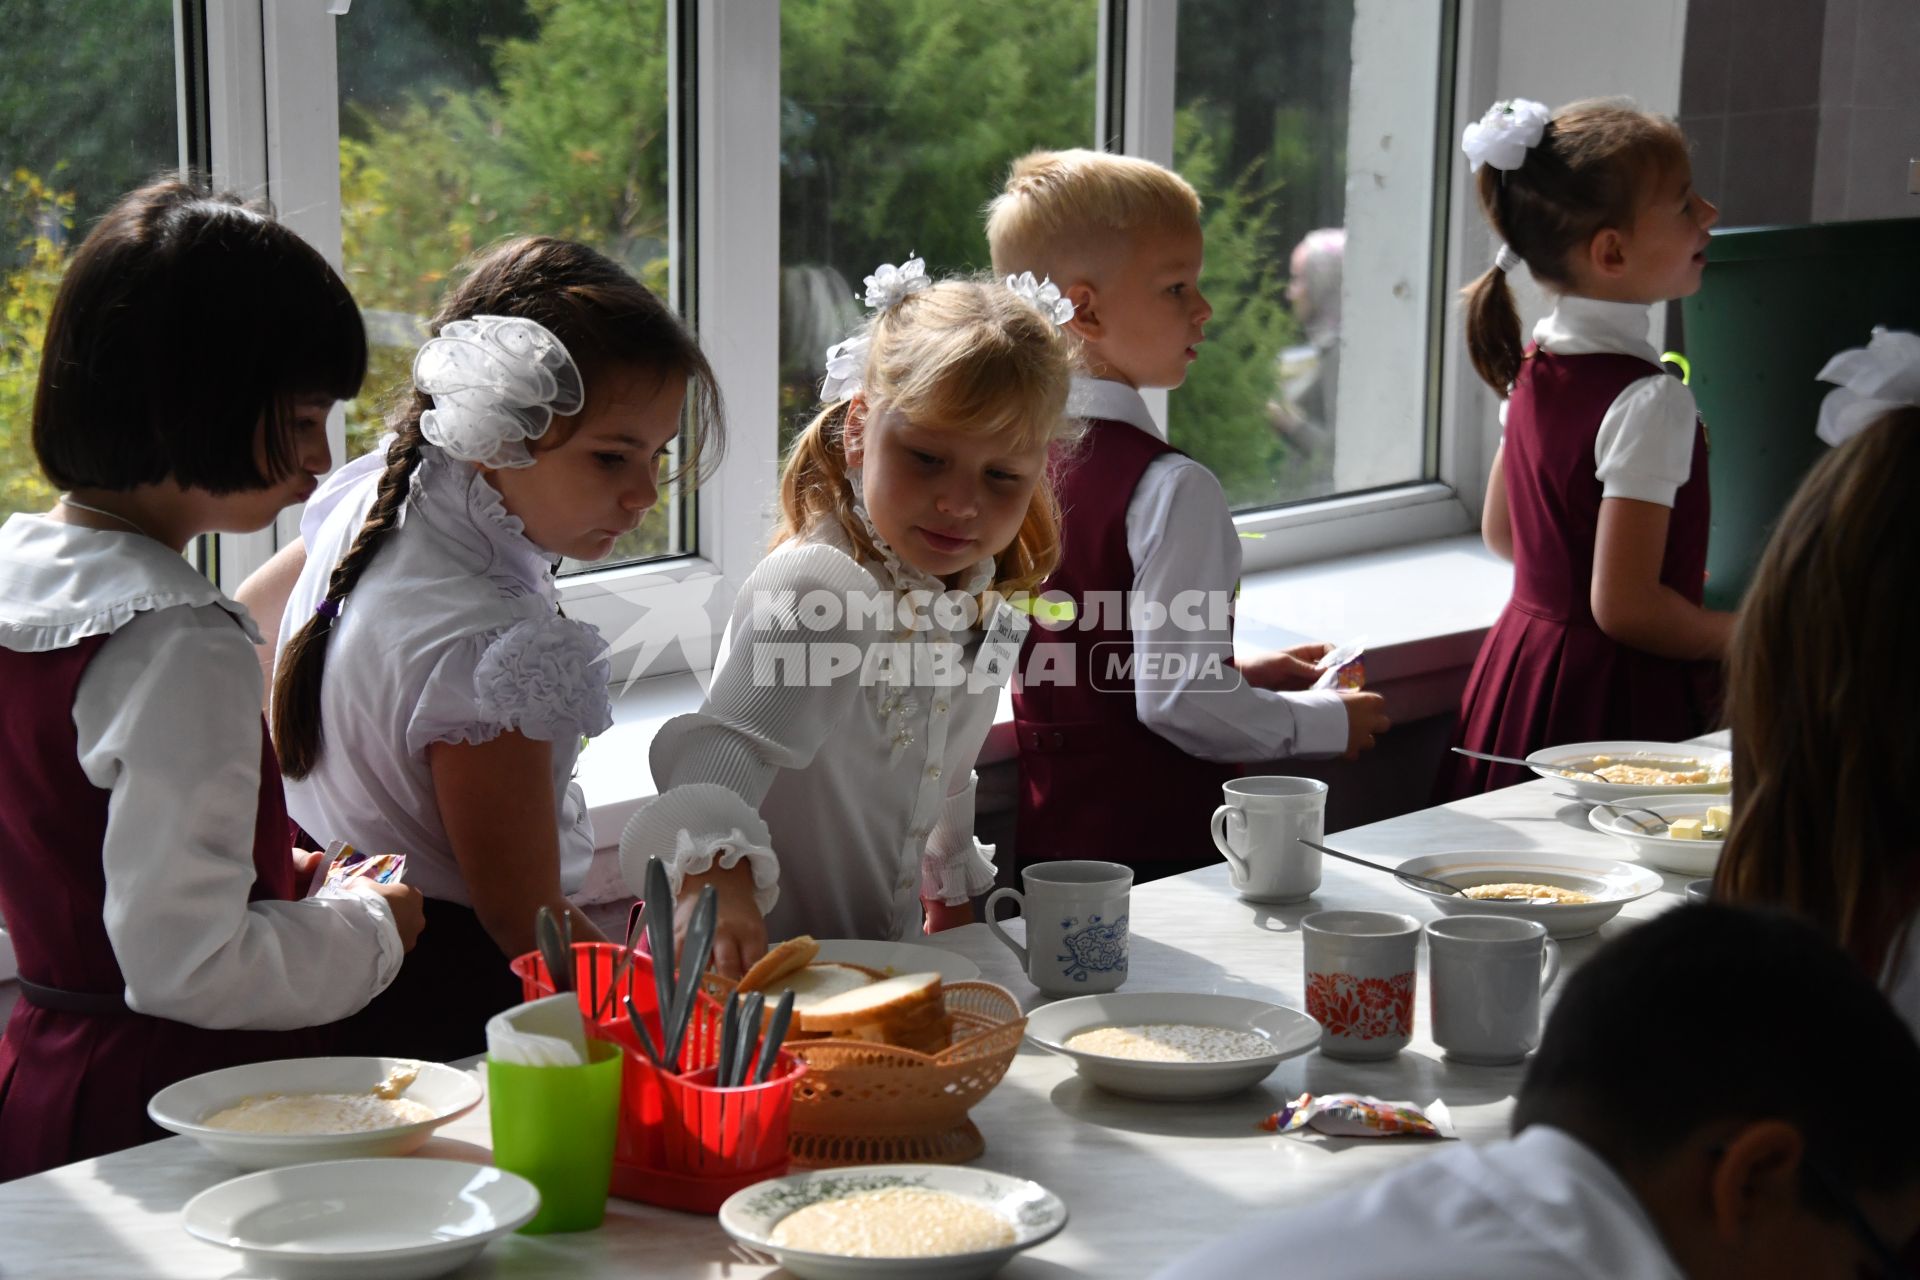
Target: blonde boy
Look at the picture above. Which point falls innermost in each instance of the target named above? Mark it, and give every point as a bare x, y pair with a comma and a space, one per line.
1143, 701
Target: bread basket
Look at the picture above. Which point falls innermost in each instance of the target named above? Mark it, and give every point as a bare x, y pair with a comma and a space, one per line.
866, 1103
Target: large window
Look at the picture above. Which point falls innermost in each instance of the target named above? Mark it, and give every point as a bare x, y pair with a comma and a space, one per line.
464, 122
897, 123
86, 112
1308, 127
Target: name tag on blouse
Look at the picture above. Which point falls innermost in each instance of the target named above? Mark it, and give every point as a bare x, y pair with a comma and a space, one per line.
1000, 649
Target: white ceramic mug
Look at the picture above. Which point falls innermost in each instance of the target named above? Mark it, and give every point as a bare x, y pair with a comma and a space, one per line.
1076, 916
1360, 979
1486, 974
1259, 829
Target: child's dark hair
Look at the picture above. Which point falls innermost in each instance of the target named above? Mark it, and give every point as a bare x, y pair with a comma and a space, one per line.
186, 319
1589, 171
605, 318
1748, 1005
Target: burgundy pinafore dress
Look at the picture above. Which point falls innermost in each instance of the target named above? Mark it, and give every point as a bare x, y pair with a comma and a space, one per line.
1095, 782
1546, 673
76, 1065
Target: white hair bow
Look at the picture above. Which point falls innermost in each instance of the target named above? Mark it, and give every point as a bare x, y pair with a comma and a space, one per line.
1870, 380
496, 383
1042, 294
1504, 135
888, 286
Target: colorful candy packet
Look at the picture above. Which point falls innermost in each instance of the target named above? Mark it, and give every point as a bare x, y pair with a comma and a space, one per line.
1354, 1115
1344, 667
344, 865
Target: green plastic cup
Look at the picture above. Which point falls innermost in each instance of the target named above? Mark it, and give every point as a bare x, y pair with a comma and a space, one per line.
554, 1126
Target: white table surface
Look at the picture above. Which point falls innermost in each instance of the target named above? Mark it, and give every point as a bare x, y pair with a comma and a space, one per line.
1143, 1181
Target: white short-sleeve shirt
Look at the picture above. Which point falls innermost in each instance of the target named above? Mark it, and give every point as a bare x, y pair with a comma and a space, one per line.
453, 634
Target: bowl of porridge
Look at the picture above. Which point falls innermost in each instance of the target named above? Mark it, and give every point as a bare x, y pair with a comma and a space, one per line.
299, 1110
1621, 770
952, 1222
1571, 894
1172, 1044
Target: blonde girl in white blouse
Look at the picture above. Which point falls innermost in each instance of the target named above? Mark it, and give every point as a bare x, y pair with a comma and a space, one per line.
865, 656
430, 697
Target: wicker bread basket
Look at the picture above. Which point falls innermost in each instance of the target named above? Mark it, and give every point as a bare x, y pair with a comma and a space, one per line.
867, 1103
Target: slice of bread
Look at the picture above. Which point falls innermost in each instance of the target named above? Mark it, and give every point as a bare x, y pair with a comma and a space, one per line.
909, 1011
789, 957
818, 982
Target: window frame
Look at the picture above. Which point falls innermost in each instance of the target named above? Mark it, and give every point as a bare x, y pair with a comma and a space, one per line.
273, 97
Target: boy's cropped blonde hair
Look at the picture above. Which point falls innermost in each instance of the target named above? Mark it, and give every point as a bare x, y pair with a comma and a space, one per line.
1059, 208
965, 355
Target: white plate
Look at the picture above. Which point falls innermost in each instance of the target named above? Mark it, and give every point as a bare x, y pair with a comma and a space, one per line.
1034, 1212
1611, 884
1548, 762
1288, 1031
1682, 857
899, 957
397, 1219
181, 1107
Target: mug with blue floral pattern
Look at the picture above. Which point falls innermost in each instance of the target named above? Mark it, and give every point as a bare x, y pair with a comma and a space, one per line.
1076, 915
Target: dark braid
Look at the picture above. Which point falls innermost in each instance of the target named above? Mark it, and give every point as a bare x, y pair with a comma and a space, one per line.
298, 734
604, 317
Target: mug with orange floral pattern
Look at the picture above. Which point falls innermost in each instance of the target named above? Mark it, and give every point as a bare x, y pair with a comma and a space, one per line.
1360, 974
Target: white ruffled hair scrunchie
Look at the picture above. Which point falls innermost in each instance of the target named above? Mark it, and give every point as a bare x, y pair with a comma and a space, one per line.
496, 383
1870, 380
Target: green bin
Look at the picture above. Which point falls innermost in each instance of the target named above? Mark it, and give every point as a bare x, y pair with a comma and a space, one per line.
1775, 304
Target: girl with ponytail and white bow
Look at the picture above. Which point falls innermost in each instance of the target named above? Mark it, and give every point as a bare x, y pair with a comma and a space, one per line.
1821, 682
1598, 492
430, 698
866, 653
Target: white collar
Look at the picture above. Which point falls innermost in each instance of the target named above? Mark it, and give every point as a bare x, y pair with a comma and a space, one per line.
1114, 401
60, 583
456, 501
1568, 1194
1587, 326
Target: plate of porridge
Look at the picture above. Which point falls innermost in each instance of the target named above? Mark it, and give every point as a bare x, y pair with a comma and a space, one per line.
1571, 894
1620, 770
930, 1221
1172, 1044
299, 1110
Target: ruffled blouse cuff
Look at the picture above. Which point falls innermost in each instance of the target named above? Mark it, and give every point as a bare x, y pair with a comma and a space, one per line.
958, 877
690, 828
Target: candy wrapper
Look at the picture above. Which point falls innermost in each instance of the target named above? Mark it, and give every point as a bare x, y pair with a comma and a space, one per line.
1353, 1115
345, 865
1344, 667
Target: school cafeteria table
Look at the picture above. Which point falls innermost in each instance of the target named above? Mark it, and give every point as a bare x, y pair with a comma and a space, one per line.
1143, 1181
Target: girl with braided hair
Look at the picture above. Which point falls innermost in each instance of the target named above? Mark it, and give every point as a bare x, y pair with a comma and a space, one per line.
429, 697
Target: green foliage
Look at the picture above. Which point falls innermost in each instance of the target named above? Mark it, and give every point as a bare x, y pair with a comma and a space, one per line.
34, 218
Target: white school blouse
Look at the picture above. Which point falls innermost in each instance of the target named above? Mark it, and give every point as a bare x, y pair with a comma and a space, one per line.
864, 790
167, 717
1644, 449
452, 635
1180, 537
1540, 1206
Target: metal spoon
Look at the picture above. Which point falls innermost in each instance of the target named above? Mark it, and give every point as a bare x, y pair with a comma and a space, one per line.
1440, 886
1618, 810
699, 949
553, 950
729, 1028
620, 968
748, 1030
775, 1037
1578, 775
641, 1033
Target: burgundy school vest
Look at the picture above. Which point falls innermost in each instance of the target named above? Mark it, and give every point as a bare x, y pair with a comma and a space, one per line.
1546, 673
1094, 781
75, 1084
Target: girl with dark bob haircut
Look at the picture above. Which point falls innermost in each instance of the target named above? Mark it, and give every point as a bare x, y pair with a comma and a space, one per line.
146, 870
185, 319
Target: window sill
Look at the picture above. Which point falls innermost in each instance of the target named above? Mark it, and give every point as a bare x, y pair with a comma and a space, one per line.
1422, 610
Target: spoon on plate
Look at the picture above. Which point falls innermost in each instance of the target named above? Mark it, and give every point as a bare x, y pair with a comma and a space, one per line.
1578, 775
1625, 811
1438, 886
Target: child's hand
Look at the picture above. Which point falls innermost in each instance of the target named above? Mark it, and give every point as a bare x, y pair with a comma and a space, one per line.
1290, 670
305, 863
1366, 717
941, 917
739, 930
409, 915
